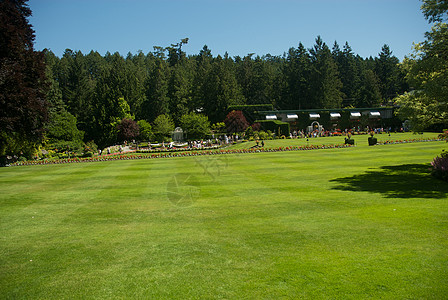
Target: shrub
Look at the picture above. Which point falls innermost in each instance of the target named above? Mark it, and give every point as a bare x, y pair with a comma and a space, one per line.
249, 131
349, 141
264, 135
440, 166
88, 154
279, 127
444, 135
21, 158
90, 147
256, 126
372, 141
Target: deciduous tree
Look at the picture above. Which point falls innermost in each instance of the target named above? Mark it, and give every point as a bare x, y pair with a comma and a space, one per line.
427, 73
236, 122
163, 127
197, 126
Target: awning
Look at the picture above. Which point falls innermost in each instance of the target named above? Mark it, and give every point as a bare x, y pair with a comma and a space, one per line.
314, 116
292, 116
271, 117
355, 115
335, 115
375, 114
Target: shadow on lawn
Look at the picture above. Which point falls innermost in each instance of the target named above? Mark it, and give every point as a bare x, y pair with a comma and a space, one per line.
403, 181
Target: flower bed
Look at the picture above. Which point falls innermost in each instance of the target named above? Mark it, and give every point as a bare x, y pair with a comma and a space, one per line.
168, 154
409, 141
152, 154
176, 149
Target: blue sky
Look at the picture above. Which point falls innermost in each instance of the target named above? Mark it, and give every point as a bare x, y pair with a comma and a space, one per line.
236, 26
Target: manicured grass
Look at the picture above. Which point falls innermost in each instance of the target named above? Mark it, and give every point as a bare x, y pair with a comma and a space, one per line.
360, 140
354, 223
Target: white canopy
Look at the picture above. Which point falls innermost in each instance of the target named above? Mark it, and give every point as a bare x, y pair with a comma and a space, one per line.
375, 114
335, 115
355, 115
271, 117
314, 116
292, 116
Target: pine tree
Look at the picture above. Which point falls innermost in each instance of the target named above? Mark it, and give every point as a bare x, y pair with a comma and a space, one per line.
297, 73
221, 89
325, 83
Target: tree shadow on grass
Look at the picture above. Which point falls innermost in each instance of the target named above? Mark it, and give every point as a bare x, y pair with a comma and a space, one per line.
403, 181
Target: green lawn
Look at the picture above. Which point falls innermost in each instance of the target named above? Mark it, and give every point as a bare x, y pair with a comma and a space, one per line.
360, 140
353, 223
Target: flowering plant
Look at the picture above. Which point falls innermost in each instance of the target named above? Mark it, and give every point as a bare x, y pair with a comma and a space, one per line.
168, 154
440, 166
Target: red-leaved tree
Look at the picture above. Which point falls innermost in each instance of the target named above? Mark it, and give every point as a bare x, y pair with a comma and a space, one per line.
23, 107
127, 130
236, 122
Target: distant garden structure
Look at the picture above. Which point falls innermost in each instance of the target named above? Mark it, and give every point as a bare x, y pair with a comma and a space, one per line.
310, 120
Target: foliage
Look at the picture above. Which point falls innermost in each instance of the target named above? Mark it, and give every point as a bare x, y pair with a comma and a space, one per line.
219, 127
145, 130
444, 135
372, 141
279, 128
127, 130
196, 126
90, 146
435, 10
61, 146
325, 85
427, 73
235, 122
24, 109
349, 141
256, 126
163, 127
440, 166
102, 90
62, 127
249, 132
262, 135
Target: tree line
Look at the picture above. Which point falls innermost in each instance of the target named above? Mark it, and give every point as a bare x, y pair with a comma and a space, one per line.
100, 91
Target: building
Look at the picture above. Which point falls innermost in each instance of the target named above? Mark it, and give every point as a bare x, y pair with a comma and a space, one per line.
331, 119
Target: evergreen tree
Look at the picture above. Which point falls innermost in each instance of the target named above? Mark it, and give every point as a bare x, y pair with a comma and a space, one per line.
349, 72
369, 94
325, 83
134, 90
221, 89
203, 67
386, 68
157, 101
297, 71
24, 109
180, 89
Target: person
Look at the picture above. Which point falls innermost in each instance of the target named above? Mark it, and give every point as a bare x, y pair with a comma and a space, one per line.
262, 143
